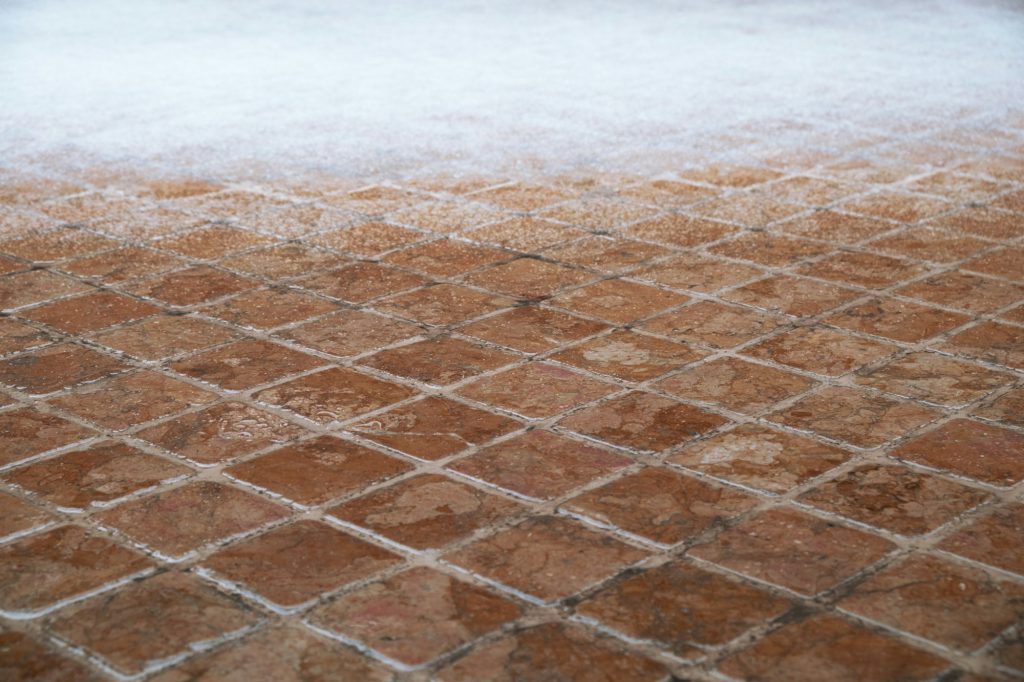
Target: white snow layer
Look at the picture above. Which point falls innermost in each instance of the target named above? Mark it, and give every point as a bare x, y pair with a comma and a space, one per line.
359, 85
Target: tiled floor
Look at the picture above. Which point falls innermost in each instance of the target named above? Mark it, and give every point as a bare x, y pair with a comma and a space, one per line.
755, 421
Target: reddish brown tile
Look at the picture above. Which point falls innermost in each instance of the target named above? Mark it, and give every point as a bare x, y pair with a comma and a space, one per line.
56, 245
821, 350
730, 176
667, 193
607, 254
904, 208
1008, 263
598, 213
368, 239
350, 332
18, 516
964, 291
700, 273
334, 395
834, 227
895, 319
446, 257
930, 244
522, 197
536, 390
532, 330
27, 433
735, 384
679, 230
968, 448
439, 361
628, 355
770, 250
1007, 408
995, 342
525, 234
57, 367
443, 304
212, 242
995, 539
197, 284
90, 312
35, 286
289, 260
162, 337
17, 336
23, 659
618, 301
264, 309
863, 269
528, 278
121, 264
245, 364
361, 282
791, 295
935, 378
447, 216
983, 221
712, 324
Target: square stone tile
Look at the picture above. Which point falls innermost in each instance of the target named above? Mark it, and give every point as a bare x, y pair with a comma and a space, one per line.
968, 448
416, 616
1008, 263
55, 245
44, 569
983, 221
536, 390
443, 304
642, 421
215, 241
957, 606
18, 516
446, 257
598, 213
23, 659
350, 332
768, 249
91, 312
433, 428
834, 227
895, 498
264, 309
758, 457
1007, 408
17, 336
57, 367
315, 471
361, 282
439, 361
810, 191
751, 209
96, 476
426, 511
696, 272
1002, 344
737, 385
528, 278
531, 329
368, 239
333, 395
547, 558
162, 337
996, 539
27, 433
963, 188
288, 260
524, 234
930, 244
152, 620
292, 565
618, 301
830, 649
730, 176
665, 193
245, 364
8, 265
935, 378
791, 295
821, 350
175, 523
895, 319
682, 608
794, 550
629, 356
897, 206
607, 254
713, 324
522, 197
372, 201
863, 419
540, 465
660, 505
191, 286
868, 270
965, 291
121, 265
448, 216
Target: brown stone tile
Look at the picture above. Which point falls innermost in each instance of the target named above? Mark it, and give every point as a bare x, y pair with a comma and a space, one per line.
361, 282
350, 332
891, 205
821, 350
548, 558
834, 227
90, 312
863, 419
373, 200
447, 216
27, 433
57, 367
17, 336
895, 319
23, 659
56, 245
868, 270
607, 254
1012, 201
532, 330
810, 191
642, 421
730, 176
522, 197
245, 364
121, 265
828, 649
193, 285
45, 569
446, 257
661, 505
334, 395
524, 234
751, 209
162, 337
416, 616
292, 565
935, 378
96, 476
628, 355
962, 188
895, 498
540, 465
995, 539
433, 428
967, 292
791, 295
682, 608
315, 471
566, 651
697, 272
930, 244
1007, 408
598, 213
152, 620
983, 221
679, 230
1015, 315
666, 193
288, 260
995, 342
735, 384
215, 241
958, 606
536, 390
794, 550
178, 521
443, 304
35, 286
8, 266
426, 511
528, 278
264, 309
713, 324
968, 448
1008, 263
770, 250
618, 301
368, 239
439, 361
18, 516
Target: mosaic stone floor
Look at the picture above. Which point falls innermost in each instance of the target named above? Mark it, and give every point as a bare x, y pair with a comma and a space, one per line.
753, 421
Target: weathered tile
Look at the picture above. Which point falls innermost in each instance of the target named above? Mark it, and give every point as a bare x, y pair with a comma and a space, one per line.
245, 364
91, 312
1007, 408
1008, 263
522, 197
56, 245
443, 304
666, 193
735, 384
598, 213
212, 242
361, 282
368, 239
350, 332
448, 216
264, 309
26, 433
996, 539
730, 175
524, 234
713, 324
193, 285
17, 336
528, 278
333, 395
23, 659
446, 257
536, 390
531, 329
968, 448
618, 301
691, 271
607, 254
18, 516
935, 378
768, 249
161, 337
995, 342
895, 319
821, 350
288, 260
891, 205
983, 221
791, 295
834, 227
57, 367
121, 265
965, 291
628, 355
862, 269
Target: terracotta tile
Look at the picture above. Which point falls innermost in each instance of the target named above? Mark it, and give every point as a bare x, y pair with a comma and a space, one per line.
935, 378
57, 367
536, 390
446, 257
82, 209
264, 309
735, 384
178, 521
57, 245
162, 337
426, 511
18, 516
794, 550
1008, 263
895, 498
628, 355
994, 539
803, 189
548, 558
679, 230
751, 209
149, 621
904, 208
121, 264
373, 200
642, 421
212, 242
962, 188
791, 295
1007, 408
292, 565
35, 286
17, 336
568, 652
968, 448
44, 569
771, 250
334, 395
8, 265
957, 606
829, 649
350, 332
821, 350
618, 301
522, 197
289, 260
96, 476
90, 312
524, 234
1015, 315
895, 319
930, 244
967, 292
315, 471
666, 193
443, 304
361, 282
245, 364
984, 222
23, 659
868, 270
532, 330
196, 284
682, 608
368, 239
695, 272
606, 254
713, 324
528, 278
598, 213
834, 227
433, 428
447, 216
27, 433
991, 341
730, 176
540, 465
857, 417
439, 361
416, 616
